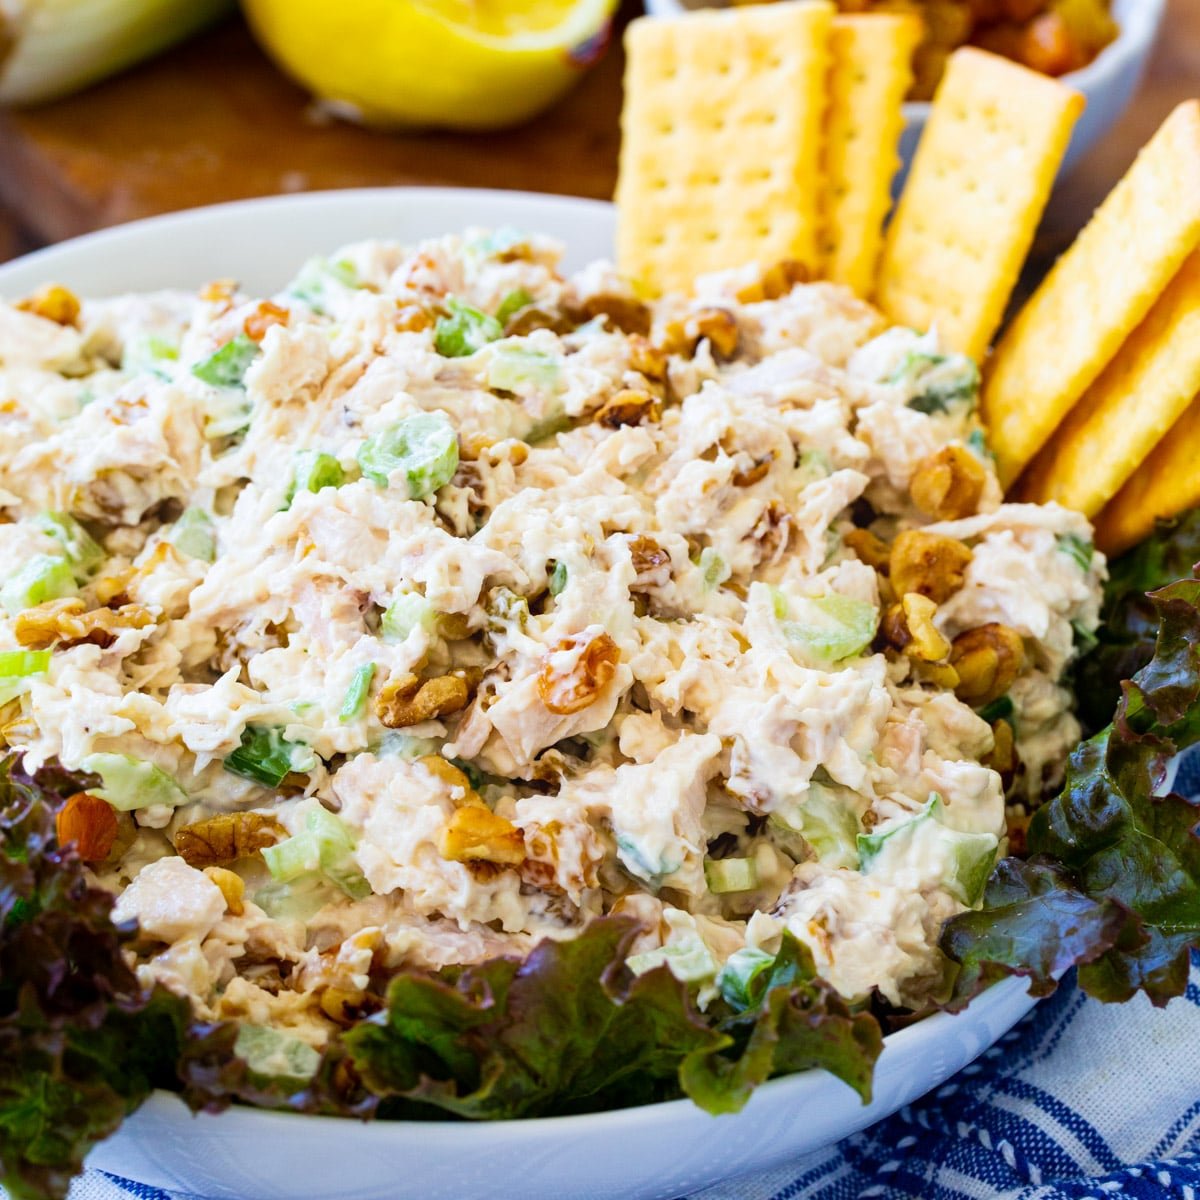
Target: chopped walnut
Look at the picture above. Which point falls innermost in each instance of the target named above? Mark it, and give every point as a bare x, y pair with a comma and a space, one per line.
406, 700
226, 837
475, 833
948, 485
53, 302
64, 622
590, 674
232, 886
90, 823
754, 474
774, 282
449, 774
988, 661
647, 358
533, 318
909, 626
626, 313
718, 325
628, 407
870, 548
928, 563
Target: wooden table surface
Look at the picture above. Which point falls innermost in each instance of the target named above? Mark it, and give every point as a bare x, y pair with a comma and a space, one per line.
213, 120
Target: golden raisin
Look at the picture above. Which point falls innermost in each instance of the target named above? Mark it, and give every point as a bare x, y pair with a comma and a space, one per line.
90, 823
226, 837
754, 474
232, 886
475, 833
592, 670
262, 318
1003, 756
53, 302
928, 563
988, 661
948, 485
871, 549
647, 555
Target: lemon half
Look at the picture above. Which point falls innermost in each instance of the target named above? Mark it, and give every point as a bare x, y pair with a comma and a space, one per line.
465, 64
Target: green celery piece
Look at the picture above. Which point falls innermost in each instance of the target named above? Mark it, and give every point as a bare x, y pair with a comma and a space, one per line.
193, 534
312, 285
558, 578
512, 368
357, 693
977, 443
724, 875
939, 381
688, 959
129, 783
325, 845
82, 551
314, 470
227, 366
267, 1051
40, 578
424, 447
1078, 549
407, 611
1000, 709
744, 977
149, 354
16, 667
512, 304
825, 823
465, 330
829, 628
266, 756
715, 568
297, 900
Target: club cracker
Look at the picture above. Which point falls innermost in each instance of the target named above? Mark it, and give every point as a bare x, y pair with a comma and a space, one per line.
870, 75
1165, 485
1129, 409
721, 141
1096, 294
980, 179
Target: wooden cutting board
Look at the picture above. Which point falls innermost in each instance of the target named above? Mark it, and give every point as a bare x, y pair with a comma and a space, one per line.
213, 120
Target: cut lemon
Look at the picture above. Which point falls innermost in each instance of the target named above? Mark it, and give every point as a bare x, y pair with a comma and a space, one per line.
465, 64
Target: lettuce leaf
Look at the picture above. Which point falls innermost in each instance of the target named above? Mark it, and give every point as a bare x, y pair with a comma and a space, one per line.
1129, 621
1115, 882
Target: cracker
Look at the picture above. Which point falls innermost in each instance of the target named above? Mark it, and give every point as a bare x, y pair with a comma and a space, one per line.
1128, 410
1096, 294
872, 71
980, 179
721, 141
1165, 485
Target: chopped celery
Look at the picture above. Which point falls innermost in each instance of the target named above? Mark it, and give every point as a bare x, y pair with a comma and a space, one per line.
150, 354
547, 427
325, 845
516, 369
505, 608
269, 1051
193, 535
407, 611
40, 578
465, 330
688, 959
744, 977
558, 578
1000, 709
512, 304
81, 549
298, 900
313, 470
16, 667
977, 443
424, 447
226, 367
357, 693
938, 382
406, 745
470, 770
128, 783
1078, 549
716, 569
266, 756
312, 285
730, 875
499, 243
812, 465
968, 857
826, 823
638, 863
829, 628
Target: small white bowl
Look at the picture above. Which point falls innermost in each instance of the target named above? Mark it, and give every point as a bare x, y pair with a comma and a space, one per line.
1108, 82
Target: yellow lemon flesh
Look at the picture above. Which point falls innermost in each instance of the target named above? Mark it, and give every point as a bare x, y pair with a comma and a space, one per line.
465, 64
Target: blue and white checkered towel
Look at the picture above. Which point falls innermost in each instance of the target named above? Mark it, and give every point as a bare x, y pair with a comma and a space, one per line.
1080, 1101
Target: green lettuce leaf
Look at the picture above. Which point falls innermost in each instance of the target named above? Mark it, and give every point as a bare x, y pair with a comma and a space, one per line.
1129, 621
1115, 882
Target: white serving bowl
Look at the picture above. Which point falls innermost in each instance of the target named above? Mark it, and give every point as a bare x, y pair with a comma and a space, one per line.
1108, 82
645, 1153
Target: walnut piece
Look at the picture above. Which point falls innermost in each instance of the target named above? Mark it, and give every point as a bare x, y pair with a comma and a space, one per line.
232, 886
628, 407
909, 626
870, 548
90, 823
406, 700
928, 563
948, 485
52, 302
774, 282
65, 623
476, 834
988, 661
718, 325
226, 837
593, 669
